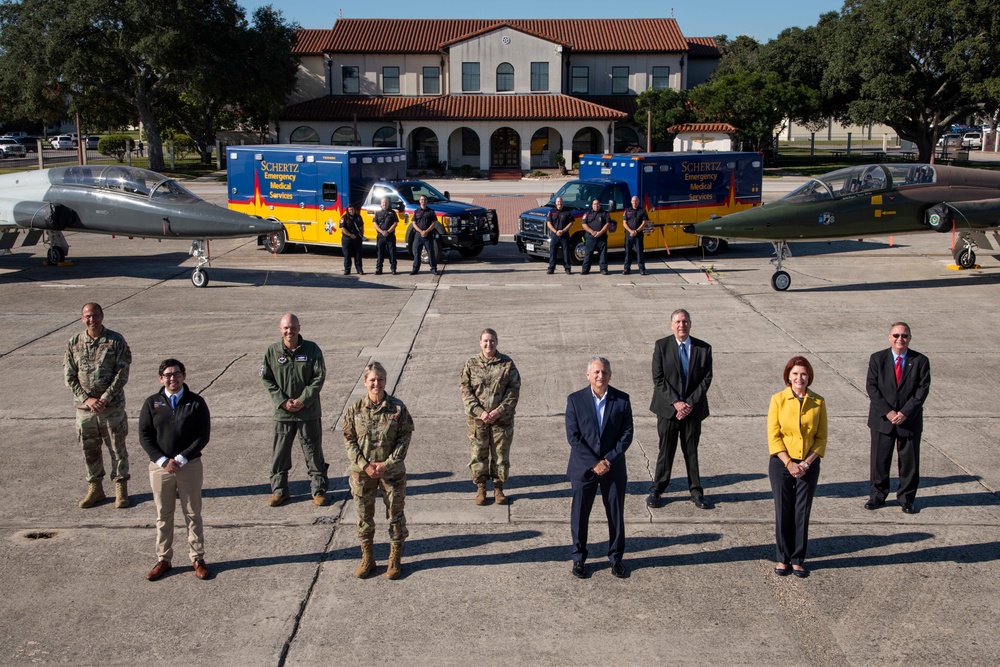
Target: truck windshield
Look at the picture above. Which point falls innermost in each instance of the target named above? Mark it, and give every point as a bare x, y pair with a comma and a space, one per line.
412, 191
577, 194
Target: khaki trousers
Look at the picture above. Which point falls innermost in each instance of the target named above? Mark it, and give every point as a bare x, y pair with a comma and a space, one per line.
186, 484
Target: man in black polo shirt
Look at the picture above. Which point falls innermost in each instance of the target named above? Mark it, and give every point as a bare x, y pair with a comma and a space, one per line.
596, 224
424, 221
385, 241
635, 220
559, 221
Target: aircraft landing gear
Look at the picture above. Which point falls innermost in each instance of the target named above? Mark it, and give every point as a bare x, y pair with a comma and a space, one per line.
199, 277
965, 251
57, 247
780, 280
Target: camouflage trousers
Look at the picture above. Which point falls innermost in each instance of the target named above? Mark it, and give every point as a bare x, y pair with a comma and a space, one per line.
109, 428
364, 488
489, 445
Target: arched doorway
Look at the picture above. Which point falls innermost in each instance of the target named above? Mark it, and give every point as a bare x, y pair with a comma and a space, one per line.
464, 148
587, 140
546, 144
505, 149
423, 148
626, 140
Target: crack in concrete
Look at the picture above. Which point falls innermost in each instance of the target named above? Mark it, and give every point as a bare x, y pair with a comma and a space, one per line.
221, 373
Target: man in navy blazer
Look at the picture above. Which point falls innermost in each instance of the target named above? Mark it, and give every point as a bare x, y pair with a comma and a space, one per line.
599, 430
680, 402
899, 380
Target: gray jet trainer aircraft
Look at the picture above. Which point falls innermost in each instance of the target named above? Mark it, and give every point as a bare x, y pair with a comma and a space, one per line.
114, 200
872, 200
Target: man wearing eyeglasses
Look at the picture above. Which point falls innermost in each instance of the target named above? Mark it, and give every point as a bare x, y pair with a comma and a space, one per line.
174, 426
898, 382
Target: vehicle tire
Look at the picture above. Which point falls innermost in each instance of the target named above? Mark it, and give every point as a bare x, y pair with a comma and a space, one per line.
199, 278
55, 255
781, 281
965, 258
577, 249
712, 245
939, 218
277, 242
469, 253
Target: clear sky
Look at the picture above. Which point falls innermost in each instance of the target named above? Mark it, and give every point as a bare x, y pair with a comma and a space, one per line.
762, 20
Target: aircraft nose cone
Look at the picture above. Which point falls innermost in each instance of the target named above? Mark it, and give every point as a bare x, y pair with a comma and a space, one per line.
689, 229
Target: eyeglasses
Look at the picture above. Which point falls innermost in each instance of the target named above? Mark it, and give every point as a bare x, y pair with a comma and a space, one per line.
168, 376
903, 336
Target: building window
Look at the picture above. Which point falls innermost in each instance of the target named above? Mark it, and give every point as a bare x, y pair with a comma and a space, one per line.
343, 136
661, 77
352, 80
505, 78
619, 80
539, 77
303, 135
432, 81
390, 80
470, 77
581, 81
470, 143
384, 137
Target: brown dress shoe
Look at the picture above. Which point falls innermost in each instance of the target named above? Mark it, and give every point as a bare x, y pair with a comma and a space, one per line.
200, 569
160, 569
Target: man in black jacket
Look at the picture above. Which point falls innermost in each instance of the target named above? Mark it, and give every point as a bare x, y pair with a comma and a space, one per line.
174, 426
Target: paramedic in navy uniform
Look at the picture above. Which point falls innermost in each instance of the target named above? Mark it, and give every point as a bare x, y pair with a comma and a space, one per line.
424, 221
352, 236
559, 220
596, 225
385, 241
635, 220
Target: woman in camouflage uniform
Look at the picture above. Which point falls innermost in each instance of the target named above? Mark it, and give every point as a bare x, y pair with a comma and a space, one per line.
377, 431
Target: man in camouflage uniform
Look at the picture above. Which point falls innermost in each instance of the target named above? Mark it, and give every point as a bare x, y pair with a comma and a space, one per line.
377, 430
490, 389
96, 364
293, 373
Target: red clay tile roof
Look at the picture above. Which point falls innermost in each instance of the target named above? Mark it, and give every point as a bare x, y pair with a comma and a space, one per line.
311, 42
625, 103
431, 35
702, 127
703, 47
450, 107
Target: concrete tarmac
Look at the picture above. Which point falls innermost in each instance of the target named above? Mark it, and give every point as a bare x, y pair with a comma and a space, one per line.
492, 585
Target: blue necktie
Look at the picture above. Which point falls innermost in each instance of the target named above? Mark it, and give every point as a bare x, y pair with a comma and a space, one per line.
684, 368
173, 401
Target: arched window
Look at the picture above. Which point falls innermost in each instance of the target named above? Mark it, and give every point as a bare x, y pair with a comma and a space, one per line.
343, 136
303, 135
505, 77
384, 137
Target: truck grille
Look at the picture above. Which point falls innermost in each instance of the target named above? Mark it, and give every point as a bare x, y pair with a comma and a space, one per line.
532, 226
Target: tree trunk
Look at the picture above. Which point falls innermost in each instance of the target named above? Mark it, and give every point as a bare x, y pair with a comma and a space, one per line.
154, 143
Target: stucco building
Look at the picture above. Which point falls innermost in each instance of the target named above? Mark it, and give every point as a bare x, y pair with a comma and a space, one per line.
490, 94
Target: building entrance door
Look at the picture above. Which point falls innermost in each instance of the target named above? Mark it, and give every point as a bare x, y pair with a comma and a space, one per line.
505, 149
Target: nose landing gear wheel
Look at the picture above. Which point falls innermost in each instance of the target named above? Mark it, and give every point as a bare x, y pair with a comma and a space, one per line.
965, 258
781, 281
199, 278
55, 255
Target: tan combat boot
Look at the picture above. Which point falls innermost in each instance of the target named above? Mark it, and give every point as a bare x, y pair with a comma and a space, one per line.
95, 494
121, 494
367, 560
481, 493
498, 495
395, 565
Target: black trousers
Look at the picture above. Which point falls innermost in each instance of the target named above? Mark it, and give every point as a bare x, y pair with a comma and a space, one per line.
601, 245
556, 242
428, 243
883, 445
613, 494
793, 499
634, 247
352, 252
689, 432
385, 246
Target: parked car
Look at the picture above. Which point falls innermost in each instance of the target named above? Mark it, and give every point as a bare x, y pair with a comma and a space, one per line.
10, 148
30, 143
972, 140
950, 139
92, 142
15, 135
63, 141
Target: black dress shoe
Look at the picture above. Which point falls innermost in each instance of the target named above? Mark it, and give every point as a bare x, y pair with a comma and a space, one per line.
783, 572
653, 499
413, 273
874, 504
801, 574
584, 273
627, 272
394, 272
604, 272
550, 271
378, 272
568, 272
701, 503
618, 570
908, 508
643, 272
580, 570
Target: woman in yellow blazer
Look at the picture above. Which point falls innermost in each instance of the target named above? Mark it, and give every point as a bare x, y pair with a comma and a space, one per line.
796, 438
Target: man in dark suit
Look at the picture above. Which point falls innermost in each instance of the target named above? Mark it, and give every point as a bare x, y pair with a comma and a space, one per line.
898, 382
599, 430
682, 374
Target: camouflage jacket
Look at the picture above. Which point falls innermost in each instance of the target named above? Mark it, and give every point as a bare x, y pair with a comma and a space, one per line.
489, 384
295, 374
375, 433
98, 367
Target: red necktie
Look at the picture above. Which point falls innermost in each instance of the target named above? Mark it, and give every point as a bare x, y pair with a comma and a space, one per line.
899, 369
